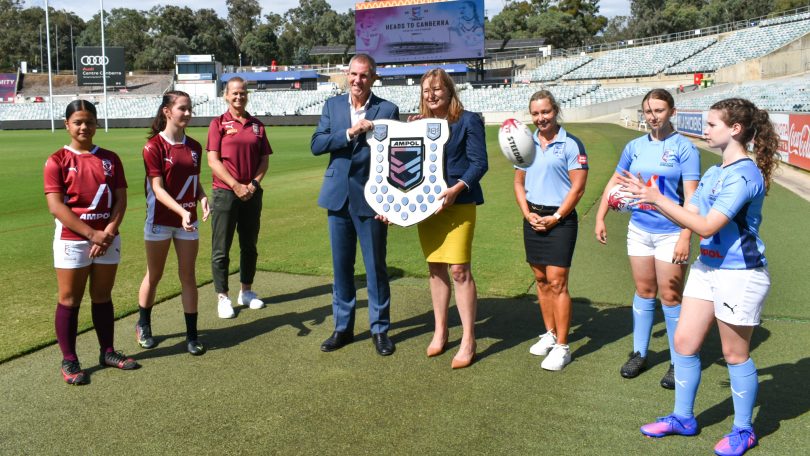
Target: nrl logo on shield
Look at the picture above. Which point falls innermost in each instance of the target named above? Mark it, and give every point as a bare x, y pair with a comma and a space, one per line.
407, 169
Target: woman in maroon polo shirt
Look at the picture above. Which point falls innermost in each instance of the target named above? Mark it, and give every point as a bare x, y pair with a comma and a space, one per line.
238, 153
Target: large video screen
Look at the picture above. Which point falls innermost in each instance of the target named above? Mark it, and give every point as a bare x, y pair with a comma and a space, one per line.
437, 31
89, 65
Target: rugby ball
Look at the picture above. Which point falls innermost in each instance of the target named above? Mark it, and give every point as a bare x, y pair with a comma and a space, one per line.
516, 143
619, 200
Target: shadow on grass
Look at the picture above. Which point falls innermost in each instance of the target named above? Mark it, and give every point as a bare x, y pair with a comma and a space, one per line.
222, 338
510, 322
781, 397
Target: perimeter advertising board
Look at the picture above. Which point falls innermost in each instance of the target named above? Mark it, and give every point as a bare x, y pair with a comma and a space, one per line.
8, 87
89, 65
420, 32
690, 123
793, 131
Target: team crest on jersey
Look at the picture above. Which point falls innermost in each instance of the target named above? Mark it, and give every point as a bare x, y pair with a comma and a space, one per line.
667, 159
107, 165
558, 151
195, 157
406, 172
256, 130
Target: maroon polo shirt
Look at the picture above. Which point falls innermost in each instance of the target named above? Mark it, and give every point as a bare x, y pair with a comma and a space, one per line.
240, 146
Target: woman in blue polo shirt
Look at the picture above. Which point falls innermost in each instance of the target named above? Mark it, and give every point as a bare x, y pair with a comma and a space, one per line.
729, 282
657, 247
547, 193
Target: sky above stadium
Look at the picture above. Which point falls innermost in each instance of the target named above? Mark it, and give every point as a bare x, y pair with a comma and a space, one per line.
87, 8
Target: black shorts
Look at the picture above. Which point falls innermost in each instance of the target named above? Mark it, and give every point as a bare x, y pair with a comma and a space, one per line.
555, 247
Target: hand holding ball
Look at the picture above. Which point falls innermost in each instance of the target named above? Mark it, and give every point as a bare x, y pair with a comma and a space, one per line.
517, 143
620, 200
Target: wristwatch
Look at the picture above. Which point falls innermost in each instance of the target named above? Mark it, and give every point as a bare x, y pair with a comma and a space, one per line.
255, 184
557, 216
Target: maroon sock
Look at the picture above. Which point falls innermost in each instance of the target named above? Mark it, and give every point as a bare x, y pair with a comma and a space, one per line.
67, 326
104, 322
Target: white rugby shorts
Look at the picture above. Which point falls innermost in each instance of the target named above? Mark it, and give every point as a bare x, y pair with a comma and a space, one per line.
643, 244
738, 294
76, 254
153, 232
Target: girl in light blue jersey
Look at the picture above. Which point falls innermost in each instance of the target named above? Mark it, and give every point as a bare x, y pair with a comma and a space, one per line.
658, 248
729, 281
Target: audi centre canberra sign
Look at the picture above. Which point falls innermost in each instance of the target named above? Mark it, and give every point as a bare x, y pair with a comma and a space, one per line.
90, 64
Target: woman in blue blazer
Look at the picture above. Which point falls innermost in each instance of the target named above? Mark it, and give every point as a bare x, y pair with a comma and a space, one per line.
446, 237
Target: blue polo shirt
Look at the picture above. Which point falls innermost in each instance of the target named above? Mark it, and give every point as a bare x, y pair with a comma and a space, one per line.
736, 191
668, 162
547, 181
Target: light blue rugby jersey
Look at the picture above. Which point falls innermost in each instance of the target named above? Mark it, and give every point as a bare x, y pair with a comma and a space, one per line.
669, 162
547, 181
737, 191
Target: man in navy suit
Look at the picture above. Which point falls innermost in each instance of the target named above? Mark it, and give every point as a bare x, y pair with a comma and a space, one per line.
341, 133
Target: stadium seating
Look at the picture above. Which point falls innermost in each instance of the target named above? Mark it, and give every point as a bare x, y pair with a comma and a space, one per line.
555, 68
742, 45
791, 95
639, 61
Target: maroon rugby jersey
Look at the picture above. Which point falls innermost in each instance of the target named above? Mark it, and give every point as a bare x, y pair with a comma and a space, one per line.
179, 165
241, 147
88, 183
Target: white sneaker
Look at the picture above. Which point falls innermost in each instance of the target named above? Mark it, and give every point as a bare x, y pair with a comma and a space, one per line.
249, 298
558, 358
543, 346
224, 307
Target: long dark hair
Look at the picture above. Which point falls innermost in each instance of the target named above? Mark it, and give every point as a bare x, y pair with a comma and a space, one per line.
80, 105
756, 125
169, 99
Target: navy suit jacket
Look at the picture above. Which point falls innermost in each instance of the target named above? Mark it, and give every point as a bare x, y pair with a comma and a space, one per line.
348, 169
465, 156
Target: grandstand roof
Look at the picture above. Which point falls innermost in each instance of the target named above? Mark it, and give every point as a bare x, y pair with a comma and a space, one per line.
263, 76
524, 43
332, 49
419, 70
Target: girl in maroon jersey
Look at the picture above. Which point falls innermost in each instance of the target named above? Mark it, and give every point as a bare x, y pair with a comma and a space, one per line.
86, 192
172, 162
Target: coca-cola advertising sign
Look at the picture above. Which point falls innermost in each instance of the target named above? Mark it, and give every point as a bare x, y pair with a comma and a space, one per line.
799, 141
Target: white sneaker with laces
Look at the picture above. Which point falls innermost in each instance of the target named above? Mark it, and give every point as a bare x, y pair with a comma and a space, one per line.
558, 357
543, 346
249, 298
225, 307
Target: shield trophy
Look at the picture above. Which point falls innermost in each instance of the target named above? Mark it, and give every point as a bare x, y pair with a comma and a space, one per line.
406, 174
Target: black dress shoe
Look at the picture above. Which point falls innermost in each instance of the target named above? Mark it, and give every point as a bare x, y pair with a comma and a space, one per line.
383, 344
337, 340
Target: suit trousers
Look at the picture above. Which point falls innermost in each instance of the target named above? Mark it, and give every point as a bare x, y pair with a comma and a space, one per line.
229, 214
345, 228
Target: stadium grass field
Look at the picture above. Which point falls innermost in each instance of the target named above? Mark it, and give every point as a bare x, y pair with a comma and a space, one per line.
264, 387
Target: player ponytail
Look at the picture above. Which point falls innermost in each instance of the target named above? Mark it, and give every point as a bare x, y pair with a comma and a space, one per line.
169, 99
757, 127
80, 105
547, 95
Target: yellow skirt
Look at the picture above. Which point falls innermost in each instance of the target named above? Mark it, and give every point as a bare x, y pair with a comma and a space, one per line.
447, 236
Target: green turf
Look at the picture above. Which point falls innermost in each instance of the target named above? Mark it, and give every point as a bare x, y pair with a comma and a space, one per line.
265, 388
294, 236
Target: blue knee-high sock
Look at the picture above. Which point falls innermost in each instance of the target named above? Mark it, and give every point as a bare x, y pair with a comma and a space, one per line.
671, 315
643, 314
744, 385
687, 379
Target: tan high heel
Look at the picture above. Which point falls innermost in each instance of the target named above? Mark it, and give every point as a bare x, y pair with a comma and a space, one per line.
436, 351
459, 363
